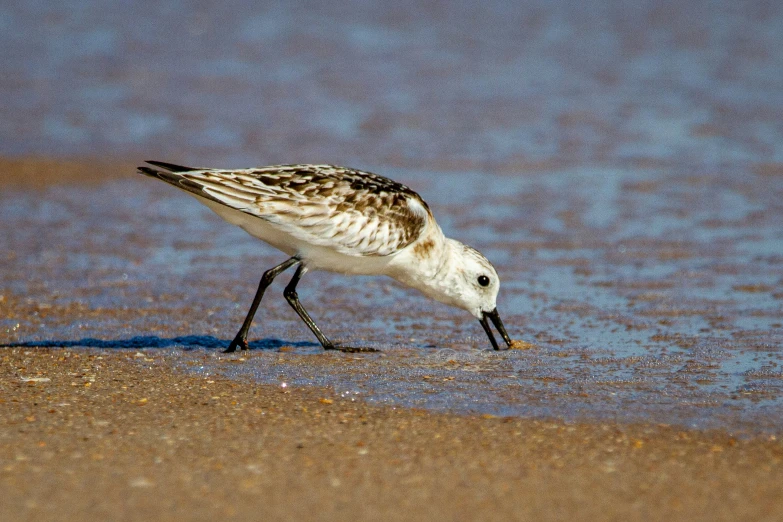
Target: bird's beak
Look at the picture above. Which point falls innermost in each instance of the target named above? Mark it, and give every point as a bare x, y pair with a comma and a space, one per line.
498, 324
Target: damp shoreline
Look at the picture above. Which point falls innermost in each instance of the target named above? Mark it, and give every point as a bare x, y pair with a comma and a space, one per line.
675, 325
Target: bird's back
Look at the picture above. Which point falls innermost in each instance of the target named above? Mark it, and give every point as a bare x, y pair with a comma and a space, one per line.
352, 212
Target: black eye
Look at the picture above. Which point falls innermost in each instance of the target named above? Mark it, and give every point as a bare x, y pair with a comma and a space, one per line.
483, 280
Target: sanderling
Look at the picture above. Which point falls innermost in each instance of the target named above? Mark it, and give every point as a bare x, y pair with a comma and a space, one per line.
346, 221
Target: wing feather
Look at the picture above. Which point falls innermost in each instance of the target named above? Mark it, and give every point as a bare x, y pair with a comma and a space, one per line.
354, 212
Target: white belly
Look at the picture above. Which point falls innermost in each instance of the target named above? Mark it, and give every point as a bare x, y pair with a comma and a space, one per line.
314, 257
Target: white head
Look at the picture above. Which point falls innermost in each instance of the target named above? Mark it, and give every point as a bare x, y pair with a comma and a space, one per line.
473, 282
469, 281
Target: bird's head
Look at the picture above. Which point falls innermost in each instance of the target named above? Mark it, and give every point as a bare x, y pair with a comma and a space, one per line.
472, 283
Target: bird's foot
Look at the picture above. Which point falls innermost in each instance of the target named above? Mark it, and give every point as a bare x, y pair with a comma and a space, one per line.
239, 342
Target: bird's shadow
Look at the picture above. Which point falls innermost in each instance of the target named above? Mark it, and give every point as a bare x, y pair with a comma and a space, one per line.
187, 342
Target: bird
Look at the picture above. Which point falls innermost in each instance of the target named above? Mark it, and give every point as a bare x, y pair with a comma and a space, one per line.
343, 220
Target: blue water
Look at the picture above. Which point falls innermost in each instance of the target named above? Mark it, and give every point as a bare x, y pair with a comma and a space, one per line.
500, 84
622, 165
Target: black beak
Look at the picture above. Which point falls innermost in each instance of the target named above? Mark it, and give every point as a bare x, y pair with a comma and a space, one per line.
498, 324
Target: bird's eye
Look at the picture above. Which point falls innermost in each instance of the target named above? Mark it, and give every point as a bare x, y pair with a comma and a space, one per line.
483, 280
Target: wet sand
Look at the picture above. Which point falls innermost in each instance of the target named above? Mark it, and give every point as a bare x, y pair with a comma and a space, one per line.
622, 168
34, 173
645, 301
118, 435
133, 434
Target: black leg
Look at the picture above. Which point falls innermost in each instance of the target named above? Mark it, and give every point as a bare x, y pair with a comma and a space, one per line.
293, 299
241, 339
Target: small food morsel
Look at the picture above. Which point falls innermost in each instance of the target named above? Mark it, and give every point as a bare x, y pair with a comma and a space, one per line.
516, 344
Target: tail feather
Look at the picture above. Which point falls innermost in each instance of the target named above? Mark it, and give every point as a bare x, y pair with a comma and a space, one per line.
177, 180
171, 167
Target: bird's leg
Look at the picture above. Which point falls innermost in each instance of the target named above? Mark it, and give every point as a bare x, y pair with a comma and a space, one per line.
293, 299
241, 339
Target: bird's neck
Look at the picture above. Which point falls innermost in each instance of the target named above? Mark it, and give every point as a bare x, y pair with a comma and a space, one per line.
429, 264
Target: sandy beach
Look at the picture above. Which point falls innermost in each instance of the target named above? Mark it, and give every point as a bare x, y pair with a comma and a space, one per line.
126, 434
619, 163
119, 435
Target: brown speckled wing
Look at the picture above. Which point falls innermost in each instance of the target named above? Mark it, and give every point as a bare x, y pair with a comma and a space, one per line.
354, 212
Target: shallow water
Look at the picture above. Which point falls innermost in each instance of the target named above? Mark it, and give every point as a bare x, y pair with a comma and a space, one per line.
632, 318
622, 167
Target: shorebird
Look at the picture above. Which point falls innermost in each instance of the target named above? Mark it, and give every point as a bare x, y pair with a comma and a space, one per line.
347, 221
